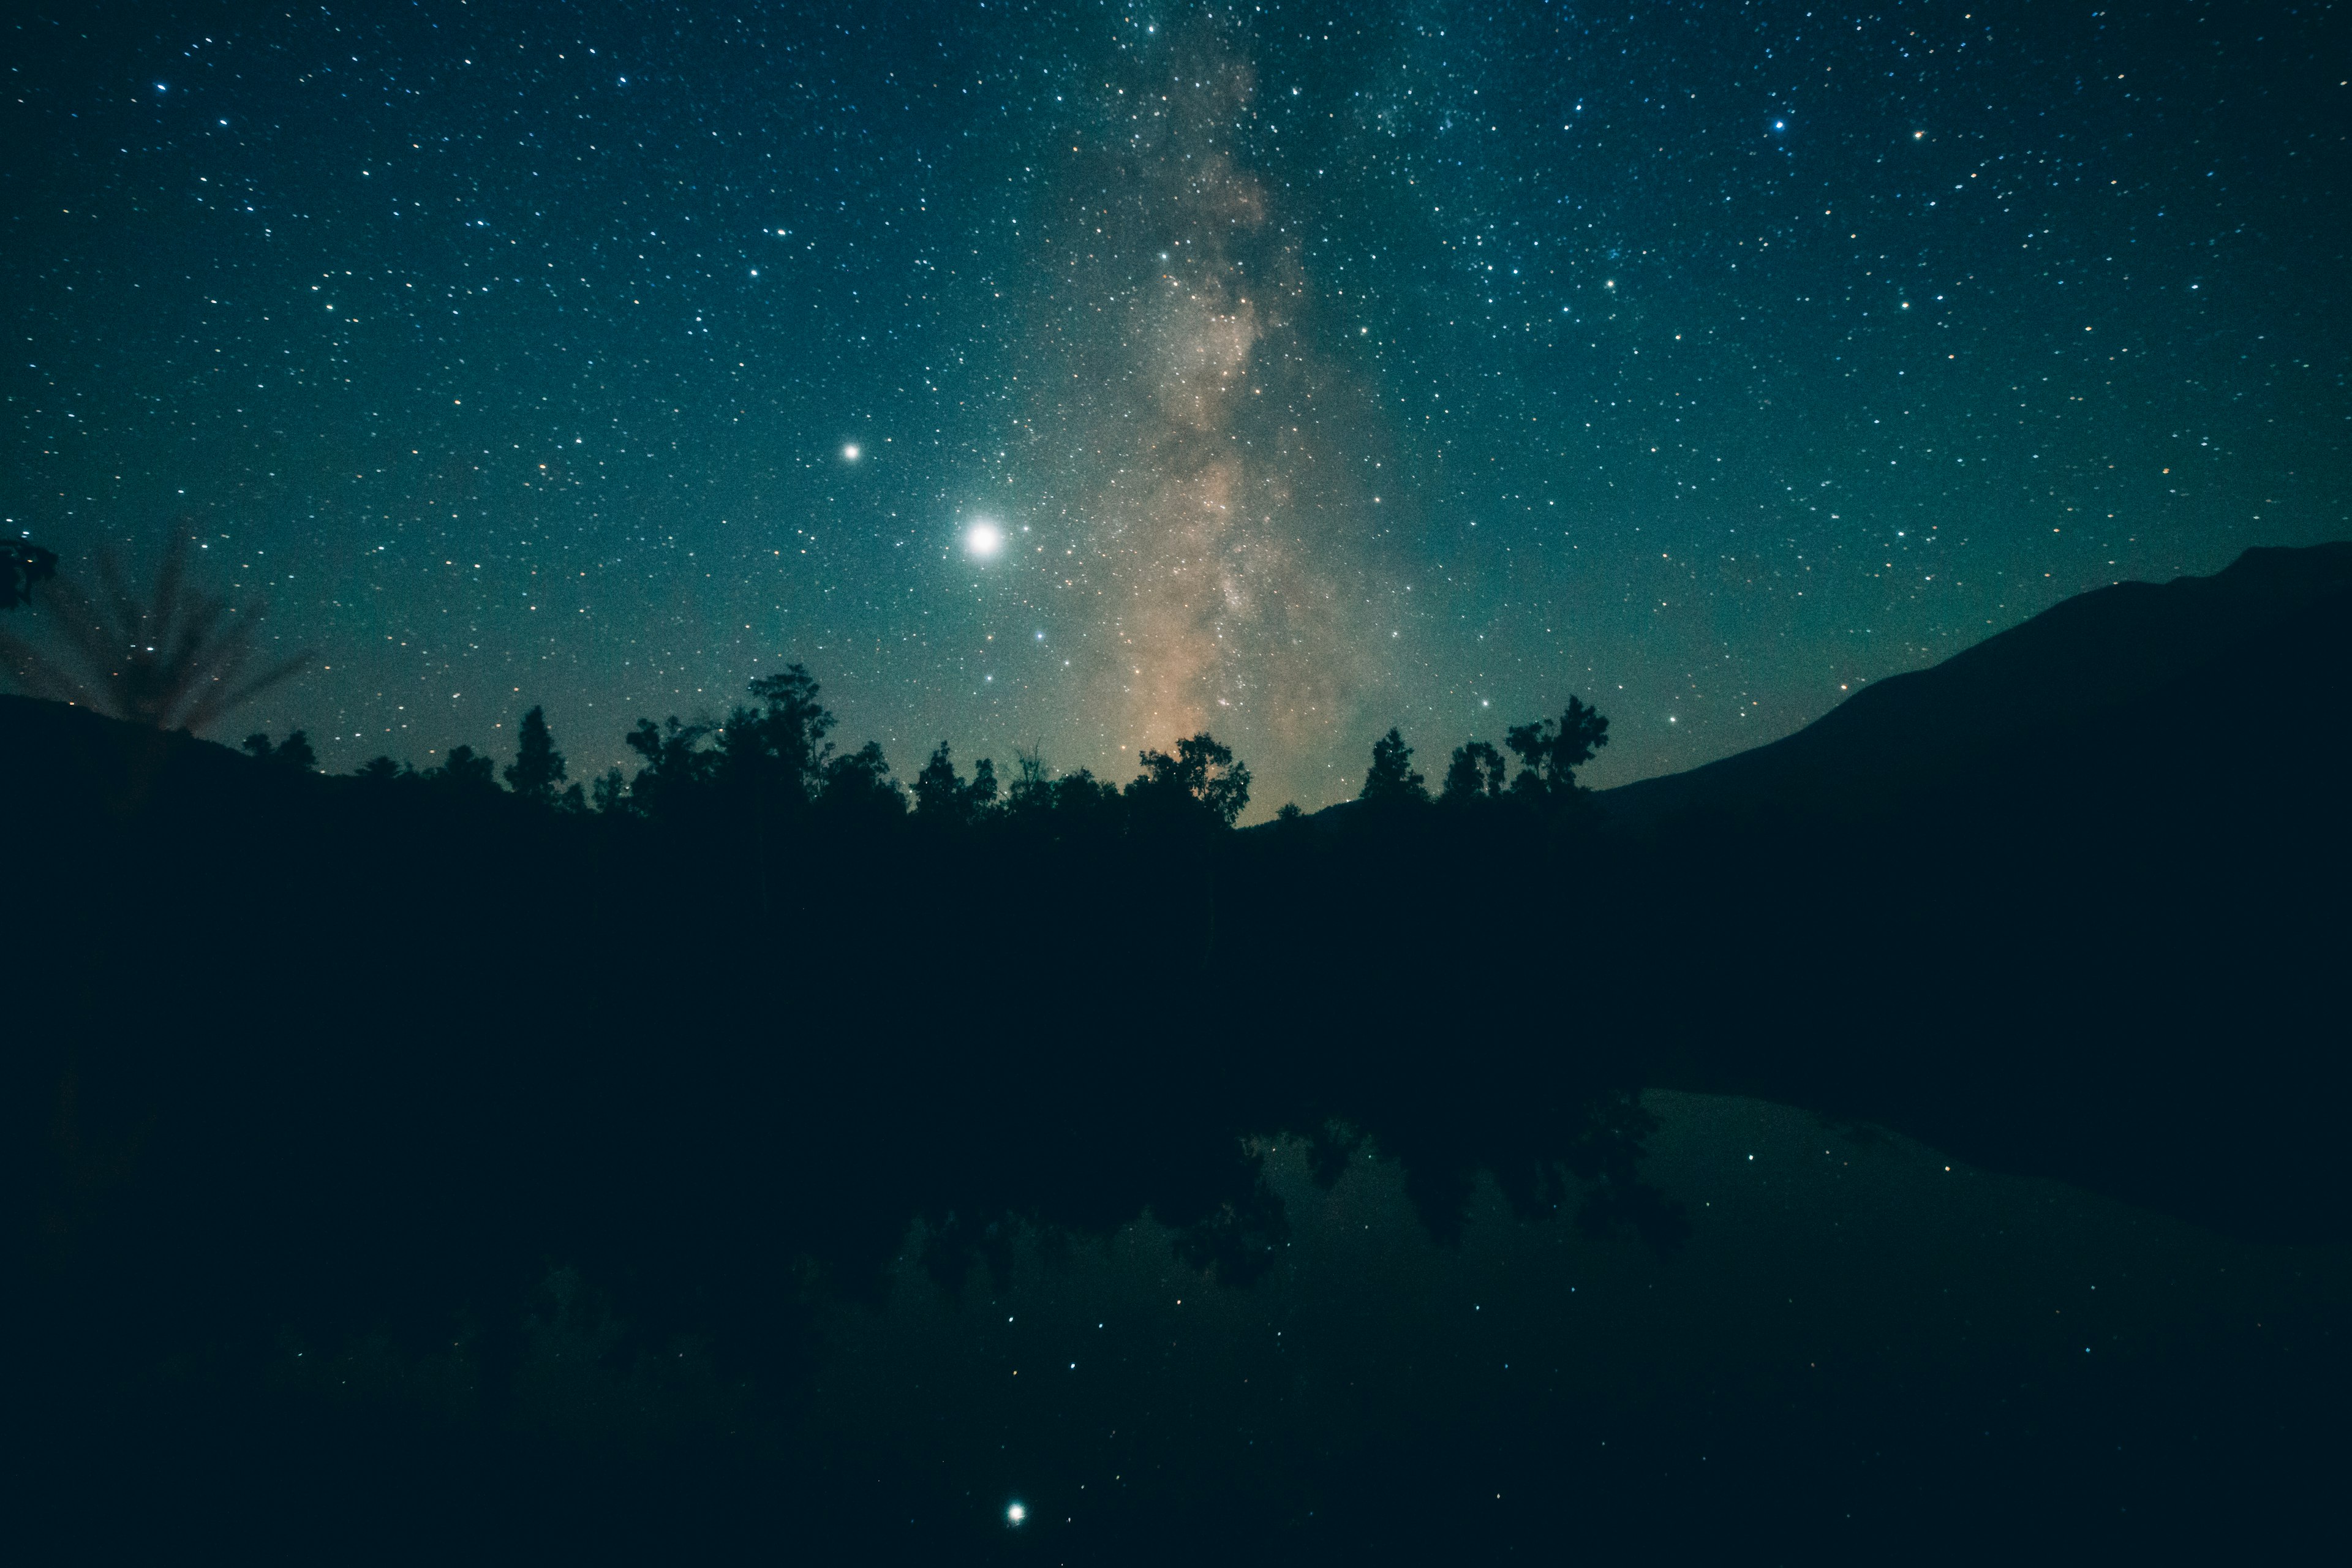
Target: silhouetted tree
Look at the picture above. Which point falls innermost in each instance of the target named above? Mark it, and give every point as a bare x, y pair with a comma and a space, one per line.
22, 564
774, 756
538, 766
1077, 806
610, 793
384, 770
676, 765
1553, 751
939, 792
295, 753
1392, 781
1200, 779
465, 769
1031, 797
943, 797
1476, 770
857, 784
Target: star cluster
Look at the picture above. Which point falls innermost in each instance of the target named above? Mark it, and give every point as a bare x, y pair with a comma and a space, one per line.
1312, 368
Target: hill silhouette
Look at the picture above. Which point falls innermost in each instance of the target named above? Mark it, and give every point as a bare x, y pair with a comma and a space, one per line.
2092, 687
2067, 902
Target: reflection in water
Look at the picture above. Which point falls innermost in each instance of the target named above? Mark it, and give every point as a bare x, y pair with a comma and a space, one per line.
1854, 1334
1837, 1288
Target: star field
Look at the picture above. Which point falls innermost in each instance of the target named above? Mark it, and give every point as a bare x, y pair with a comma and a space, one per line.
1320, 368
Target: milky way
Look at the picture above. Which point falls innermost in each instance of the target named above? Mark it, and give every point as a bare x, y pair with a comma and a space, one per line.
1325, 369
1206, 440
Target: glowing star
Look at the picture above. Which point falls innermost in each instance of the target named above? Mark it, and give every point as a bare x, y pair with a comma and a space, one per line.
849, 453
1015, 1512
983, 539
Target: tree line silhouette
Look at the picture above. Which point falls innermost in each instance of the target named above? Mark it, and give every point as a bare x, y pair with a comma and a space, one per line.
343, 1055
526, 980
772, 762
339, 1056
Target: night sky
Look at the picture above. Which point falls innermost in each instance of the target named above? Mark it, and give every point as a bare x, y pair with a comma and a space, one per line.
1316, 367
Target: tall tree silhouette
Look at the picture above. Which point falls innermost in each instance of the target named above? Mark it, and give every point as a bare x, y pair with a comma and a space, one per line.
675, 765
943, 797
857, 786
1075, 806
774, 756
1200, 780
1031, 794
1553, 750
610, 793
465, 769
538, 766
1390, 782
1478, 770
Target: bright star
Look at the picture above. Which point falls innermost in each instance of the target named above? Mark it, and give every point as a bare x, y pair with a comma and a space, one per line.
850, 452
983, 539
1014, 1514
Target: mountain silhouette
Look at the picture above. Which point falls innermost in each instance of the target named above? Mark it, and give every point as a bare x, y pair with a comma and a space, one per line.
2088, 693
2070, 902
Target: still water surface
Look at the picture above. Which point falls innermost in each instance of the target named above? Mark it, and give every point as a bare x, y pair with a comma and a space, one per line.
1856, 1328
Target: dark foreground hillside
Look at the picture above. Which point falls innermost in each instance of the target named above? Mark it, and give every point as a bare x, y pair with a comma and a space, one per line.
326, 1062
2103, 854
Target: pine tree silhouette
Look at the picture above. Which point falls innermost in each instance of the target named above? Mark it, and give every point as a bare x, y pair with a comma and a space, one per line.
1392, 781
538, 766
